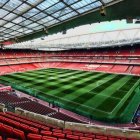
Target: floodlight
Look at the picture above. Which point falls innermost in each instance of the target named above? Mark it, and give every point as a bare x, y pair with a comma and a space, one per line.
46, 30
103, 11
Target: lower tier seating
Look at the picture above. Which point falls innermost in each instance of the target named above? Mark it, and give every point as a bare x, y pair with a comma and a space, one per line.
13, 101
16, 127
104, 68
119, 68
136, 70
111, 68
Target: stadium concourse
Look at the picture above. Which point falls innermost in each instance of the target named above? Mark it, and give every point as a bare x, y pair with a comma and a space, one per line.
69, 70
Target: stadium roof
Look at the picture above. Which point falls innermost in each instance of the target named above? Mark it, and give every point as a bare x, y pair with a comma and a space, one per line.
86, 40
22, 20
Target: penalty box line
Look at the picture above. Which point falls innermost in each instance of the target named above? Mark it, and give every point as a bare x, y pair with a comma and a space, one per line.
124, 97
112, 97
99, 94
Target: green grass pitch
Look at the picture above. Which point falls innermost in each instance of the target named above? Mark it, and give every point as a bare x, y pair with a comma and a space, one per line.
100, 96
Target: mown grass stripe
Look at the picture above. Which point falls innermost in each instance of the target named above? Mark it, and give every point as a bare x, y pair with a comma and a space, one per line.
61, 94
36, 75
71, 89
107, 84
84, 97
71, 79
67, 87
125, 88
106, 93
118, 92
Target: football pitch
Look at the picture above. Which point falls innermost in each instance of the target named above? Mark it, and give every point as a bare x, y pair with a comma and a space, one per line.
100, 96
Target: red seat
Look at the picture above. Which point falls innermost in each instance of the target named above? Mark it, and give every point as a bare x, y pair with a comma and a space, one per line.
48, 138
85, 138
0, 138
58, 135
44, 127
34, 137
48, 133
57, 130
19, 134
1, 118
7, 130
77, 133
89, 135
113, 138
33, 130
24, 127
67, 132
12, 123
1, 124
101, 137
72, 137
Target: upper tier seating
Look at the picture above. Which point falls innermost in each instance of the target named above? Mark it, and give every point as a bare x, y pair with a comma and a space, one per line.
136, 52
20, 53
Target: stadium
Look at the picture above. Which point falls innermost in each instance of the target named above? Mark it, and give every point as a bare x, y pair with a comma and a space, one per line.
69, 70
